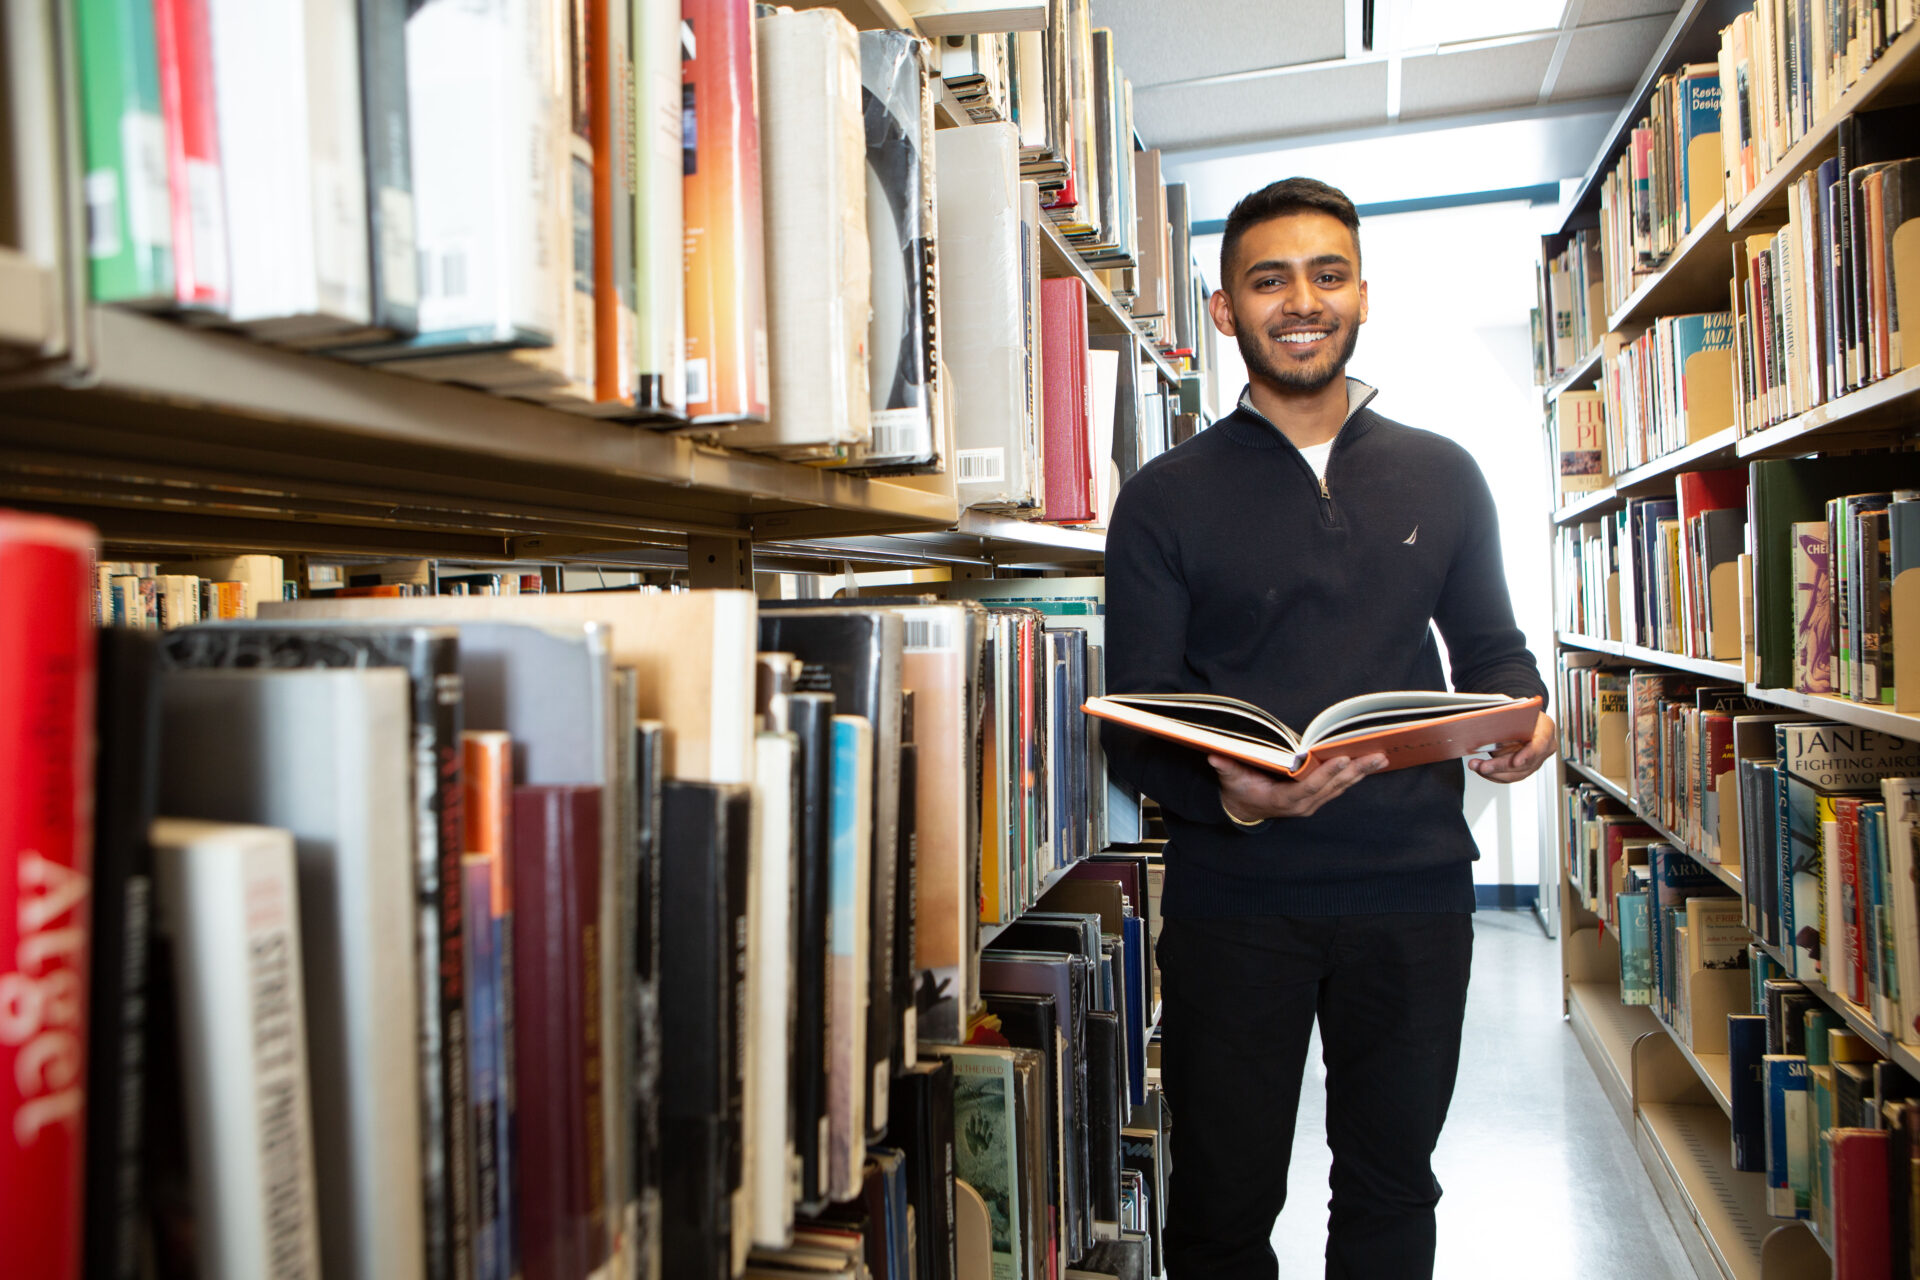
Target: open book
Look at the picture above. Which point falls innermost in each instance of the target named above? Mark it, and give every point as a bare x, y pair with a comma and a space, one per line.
1409, 727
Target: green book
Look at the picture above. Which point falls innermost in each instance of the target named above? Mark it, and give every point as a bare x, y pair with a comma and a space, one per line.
123, 138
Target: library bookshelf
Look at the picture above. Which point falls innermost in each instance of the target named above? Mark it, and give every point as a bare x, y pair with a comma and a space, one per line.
1673, 1100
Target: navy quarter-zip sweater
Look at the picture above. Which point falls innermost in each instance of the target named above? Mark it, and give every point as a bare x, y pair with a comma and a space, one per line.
1232, 569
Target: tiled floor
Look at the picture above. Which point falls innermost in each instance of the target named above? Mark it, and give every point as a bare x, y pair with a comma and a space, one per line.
1541, 1181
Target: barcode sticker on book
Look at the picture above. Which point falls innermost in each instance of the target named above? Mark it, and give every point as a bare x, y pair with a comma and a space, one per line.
103, 213
445, 273
929, 635
900, 433
207, 218
397, 249
982, 466
697, 381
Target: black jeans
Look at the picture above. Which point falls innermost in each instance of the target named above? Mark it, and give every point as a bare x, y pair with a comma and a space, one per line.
1240, 997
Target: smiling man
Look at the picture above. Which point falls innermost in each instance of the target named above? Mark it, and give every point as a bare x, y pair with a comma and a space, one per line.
1301, 550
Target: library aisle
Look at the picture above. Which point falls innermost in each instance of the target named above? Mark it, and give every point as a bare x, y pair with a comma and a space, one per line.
1540, 1180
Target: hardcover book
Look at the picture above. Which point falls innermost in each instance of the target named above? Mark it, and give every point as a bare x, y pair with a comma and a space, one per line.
1411, 727
262, 737
46, 740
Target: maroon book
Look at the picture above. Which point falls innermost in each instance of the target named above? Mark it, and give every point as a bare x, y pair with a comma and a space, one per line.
556, 896
1067, 406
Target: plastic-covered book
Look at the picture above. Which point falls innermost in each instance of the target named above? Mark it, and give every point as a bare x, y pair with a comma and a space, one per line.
1408, 726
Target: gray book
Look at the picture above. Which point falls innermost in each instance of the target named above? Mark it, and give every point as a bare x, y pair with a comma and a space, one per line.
326, 755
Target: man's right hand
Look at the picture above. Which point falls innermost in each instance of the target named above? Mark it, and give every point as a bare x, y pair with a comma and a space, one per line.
1252, 795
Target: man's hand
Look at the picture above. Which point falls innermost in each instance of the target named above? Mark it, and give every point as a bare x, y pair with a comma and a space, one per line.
1251, 794
1511, 766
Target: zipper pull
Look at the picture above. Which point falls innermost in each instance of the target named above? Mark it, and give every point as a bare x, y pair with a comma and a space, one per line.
1323, 489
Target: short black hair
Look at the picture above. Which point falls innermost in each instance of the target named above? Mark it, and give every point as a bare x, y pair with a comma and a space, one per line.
1277, 200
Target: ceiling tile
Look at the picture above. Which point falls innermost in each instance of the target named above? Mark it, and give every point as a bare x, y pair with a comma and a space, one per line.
1161, 43
1612, 10
1192, 116
1474, 80
1608, 59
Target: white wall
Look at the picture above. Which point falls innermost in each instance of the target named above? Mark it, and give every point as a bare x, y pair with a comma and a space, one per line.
1447, 344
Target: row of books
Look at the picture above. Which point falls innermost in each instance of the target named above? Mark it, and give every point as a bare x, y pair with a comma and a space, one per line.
1845, 571
1569, 293
1669, 179
1783, 69
540, 254
1817, 301
1815, 814
685, 914
1666, 388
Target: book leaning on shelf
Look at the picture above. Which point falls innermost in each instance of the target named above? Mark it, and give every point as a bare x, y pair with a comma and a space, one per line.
1411, 727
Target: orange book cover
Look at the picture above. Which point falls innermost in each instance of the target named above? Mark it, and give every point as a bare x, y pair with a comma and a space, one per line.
487, 773
727, 372
1410, 727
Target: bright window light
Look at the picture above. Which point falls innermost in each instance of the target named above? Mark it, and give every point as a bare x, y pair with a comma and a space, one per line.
1422, 24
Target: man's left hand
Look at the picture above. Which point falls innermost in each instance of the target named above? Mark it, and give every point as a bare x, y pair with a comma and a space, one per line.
1521, 761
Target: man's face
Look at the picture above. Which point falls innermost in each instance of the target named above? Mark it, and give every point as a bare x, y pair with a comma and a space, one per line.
1296, 302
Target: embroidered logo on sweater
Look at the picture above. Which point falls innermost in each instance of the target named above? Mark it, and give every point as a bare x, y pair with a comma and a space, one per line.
1409, 539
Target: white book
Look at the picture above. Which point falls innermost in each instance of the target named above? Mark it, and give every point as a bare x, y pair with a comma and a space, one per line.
660, 302
1103, 383
693, 649
228, 906
287, 96
327, 756
813, 158
767, 1191
984, 319
262, 575
479, 88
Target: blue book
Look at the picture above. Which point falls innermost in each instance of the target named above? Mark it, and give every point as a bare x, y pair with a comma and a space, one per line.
483, 1063
1786, 1131
849, 876
1134, 933
1746, 1089
1702, 167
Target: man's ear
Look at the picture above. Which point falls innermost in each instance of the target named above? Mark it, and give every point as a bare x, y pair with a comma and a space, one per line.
1220, 307
1363, 303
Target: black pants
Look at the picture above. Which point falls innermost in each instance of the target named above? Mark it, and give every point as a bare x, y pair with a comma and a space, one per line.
1240, 997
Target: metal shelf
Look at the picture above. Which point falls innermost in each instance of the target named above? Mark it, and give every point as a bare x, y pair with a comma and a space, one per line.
1606, 1031
1720, 1212
988, 932
1585, 371
1866, 715
1892, 78
1617, 788
979, 538
1059, 259
189, 428
29, 306
1858, 1020
1693, 278
1656, 475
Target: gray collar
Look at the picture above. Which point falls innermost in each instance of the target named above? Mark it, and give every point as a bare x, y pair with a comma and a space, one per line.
1358, 395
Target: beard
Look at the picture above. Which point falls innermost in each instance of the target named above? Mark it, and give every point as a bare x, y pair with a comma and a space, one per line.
1313, 377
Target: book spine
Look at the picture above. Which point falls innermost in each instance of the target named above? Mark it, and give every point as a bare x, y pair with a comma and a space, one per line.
393, 259
726, 365
46, 717
482, 974
197, 203
660, 299
124, 144
122, 908
440, 836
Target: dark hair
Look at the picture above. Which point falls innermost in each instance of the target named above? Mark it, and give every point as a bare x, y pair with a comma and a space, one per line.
1277, 200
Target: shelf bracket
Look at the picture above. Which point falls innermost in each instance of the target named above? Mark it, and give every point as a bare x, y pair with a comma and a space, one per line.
714, 561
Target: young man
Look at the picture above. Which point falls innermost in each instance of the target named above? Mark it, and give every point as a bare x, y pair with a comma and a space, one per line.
1297, 552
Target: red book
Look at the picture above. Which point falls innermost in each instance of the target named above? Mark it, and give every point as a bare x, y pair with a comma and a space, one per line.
1068, 404
46, 841
727, 373
198, 208
1862, 1240
556, 901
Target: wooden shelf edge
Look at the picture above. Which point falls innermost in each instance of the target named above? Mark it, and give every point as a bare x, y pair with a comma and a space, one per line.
1898, 64
1888, 395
